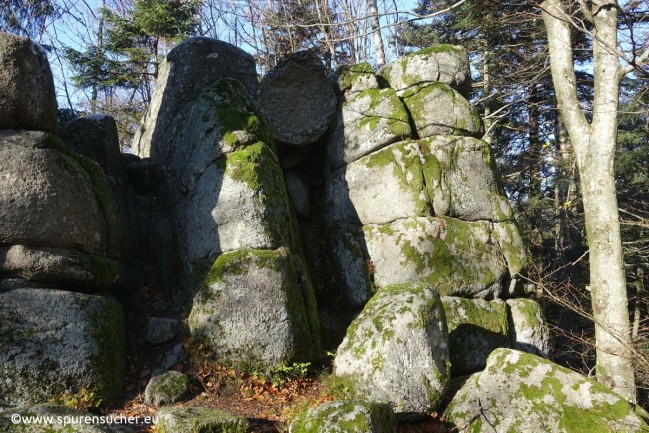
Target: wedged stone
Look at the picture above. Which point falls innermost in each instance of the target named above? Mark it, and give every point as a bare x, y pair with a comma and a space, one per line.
95, 137
158, 330
350, 79
448, 64
529, 331
174, 356
377, 189
396, 350
367, 121
297, 100
53, 341
57, 419
475, 328
513, 249
352, 268
459, 258
166, 387
198, 420
299, 194
527, 394
27, 96
437, 109
247, 291
461, 179
53, 265
346, 417
183, 75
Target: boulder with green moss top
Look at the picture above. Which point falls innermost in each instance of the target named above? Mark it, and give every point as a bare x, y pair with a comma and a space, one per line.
199, 420
462, 180
27, 95
53, 342
350, 79
166, 387
529, 331
475, 328
448, 64
437, 109
252, 310
523, 393
346, 417
396, 350
367, 121
460, 258
57, 419
186, 71
95, 137
377, 189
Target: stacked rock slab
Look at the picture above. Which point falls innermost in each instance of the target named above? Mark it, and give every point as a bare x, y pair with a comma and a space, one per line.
60, 235
224, 197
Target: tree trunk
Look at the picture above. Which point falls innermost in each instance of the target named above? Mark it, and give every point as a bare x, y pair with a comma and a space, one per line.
594, 146
379, 51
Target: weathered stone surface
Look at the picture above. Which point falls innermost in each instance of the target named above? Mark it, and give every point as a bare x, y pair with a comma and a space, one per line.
350, 79
247, 291
448, 64
366, 122
166, 387
158, 330
27, 97
460, 258
437, 109
183, 76
524, 393
53, 341
175, 355
377, 189
299, 193
513, 249
199, 420
475, 328
529, 330
461, 179
396, 350
53, 265
63, 420
297, 100
351, 267
346, 417
95, 137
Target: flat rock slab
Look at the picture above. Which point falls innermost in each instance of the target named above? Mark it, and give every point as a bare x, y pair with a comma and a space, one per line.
346, 417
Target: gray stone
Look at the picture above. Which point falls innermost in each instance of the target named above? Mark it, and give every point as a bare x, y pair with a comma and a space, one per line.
448, 64
182, 77
366, 122
158, 330
524, 393
199, 420
529, 331
350, 79
174, 356
27, 96
346, 417
513, 249
437, 109
56, 419
250, 291
351, 268
297, 100
396, 350
166, 387
299, 193
52, 342
95, 137
475, 328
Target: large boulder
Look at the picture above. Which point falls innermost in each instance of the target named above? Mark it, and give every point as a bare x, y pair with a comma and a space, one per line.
448, 64
199, 420
346, 417
524, 393
297, 100
528, 329
54, 342
55, 419
183, 75
396, 350
27, 96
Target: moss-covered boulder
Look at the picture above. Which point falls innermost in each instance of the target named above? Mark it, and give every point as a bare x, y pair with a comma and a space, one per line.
199, 420
523, 393
367, 121
350, 79
529, 331
396, 350
379, 188
459, 258
254, 309
54, 342
475, 328
448, 64
346, 417
461, 178
166, 387
437, 109
56, 419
